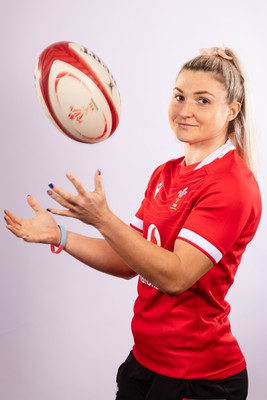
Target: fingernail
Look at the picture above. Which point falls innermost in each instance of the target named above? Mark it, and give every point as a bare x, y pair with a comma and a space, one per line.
48, 209
99, 171
28, 195
51, 185
49, 192
5, 211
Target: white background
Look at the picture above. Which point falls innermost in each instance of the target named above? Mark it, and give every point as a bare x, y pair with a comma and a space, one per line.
64, 328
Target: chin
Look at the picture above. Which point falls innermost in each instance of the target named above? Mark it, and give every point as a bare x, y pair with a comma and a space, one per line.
183, 138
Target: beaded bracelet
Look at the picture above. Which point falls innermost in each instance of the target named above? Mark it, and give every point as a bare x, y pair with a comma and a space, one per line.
62, 241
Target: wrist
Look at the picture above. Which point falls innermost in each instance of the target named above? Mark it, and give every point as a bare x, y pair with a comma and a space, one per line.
57, 237
61, 240
103, 221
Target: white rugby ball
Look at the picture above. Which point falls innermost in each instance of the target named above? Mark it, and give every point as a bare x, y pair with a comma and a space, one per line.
78, 92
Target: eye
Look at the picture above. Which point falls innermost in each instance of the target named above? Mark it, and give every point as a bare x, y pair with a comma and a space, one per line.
179, 97
203, 100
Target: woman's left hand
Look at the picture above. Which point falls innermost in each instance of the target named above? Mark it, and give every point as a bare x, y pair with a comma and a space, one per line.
89, 207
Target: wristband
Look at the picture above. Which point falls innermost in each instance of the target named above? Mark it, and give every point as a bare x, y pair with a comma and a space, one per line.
62, 241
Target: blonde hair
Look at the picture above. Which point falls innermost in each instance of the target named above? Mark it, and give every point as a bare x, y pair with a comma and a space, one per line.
226, 67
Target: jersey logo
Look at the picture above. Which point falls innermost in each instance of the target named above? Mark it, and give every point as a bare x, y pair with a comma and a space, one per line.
159, 186
146, 282
181, 193
153, 235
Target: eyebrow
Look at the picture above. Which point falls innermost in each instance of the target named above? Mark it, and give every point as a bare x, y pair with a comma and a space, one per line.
198, 92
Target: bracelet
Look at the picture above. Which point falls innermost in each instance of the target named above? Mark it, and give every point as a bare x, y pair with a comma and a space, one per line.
62, 241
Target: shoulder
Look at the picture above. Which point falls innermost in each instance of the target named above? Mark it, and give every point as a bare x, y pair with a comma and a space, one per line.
233, 170
231, 180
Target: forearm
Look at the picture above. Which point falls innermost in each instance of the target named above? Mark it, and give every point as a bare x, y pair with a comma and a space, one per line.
97, 254
170, 271
159, 266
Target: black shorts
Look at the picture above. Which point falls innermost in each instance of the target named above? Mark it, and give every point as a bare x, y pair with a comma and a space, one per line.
138, 383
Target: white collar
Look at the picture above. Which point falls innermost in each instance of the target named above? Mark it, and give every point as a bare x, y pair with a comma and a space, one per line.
219, 153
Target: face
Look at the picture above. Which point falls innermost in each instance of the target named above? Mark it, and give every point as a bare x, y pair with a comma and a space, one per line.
198, 111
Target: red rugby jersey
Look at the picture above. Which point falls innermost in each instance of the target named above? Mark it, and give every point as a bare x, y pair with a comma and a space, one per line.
215, 206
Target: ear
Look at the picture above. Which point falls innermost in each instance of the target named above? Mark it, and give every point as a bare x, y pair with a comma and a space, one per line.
234, 109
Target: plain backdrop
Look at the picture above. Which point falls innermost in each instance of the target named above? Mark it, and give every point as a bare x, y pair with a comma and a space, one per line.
64, 329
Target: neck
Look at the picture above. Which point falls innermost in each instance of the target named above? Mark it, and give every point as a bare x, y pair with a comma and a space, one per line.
197, 152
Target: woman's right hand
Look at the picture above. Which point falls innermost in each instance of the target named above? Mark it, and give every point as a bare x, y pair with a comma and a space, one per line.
42, 228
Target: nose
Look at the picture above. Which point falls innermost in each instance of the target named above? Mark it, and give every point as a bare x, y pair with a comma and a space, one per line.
186, 109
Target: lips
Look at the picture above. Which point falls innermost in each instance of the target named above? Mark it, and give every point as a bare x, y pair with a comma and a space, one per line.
186, 126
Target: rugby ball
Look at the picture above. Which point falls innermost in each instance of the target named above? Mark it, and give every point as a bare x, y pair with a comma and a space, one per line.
77, 92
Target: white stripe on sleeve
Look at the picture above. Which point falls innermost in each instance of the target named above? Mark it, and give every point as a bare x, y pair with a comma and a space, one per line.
202, 243
137, 223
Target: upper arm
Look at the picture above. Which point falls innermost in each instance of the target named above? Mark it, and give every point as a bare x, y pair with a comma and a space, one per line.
193, 262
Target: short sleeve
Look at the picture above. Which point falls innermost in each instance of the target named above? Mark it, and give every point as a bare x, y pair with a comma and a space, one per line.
225, 211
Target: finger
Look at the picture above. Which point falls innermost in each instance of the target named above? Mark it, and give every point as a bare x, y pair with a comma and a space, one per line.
63, 213
60, 200
12, 219
14, 230
59, 194
98, 182
76, 183
34, 204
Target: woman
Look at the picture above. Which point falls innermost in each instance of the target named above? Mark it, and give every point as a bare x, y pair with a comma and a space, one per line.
185, 241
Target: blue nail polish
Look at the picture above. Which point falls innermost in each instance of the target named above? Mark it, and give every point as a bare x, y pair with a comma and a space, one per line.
51, 185
48, 209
